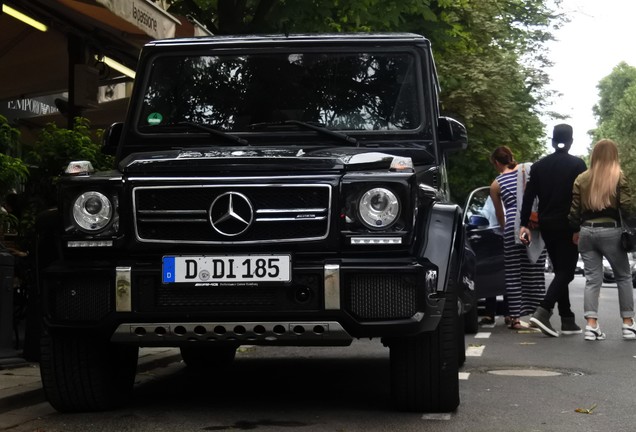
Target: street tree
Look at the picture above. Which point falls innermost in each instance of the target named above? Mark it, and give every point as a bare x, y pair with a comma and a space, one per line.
492, 76
13, 171
616, 115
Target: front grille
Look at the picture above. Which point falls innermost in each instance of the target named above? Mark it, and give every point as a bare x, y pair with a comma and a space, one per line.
217, 298
382, 296
209, 214
81, 298
304, 293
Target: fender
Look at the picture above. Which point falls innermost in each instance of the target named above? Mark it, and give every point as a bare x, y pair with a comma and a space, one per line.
443, 242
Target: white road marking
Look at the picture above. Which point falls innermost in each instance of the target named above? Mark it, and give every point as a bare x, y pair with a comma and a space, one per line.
482, 335
464, 375
475, 350
436, 416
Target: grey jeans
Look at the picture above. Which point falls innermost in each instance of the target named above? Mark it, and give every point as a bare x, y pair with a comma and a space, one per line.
594, 244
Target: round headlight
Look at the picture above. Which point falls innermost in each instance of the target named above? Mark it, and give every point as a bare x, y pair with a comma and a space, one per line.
92, 211
378, 208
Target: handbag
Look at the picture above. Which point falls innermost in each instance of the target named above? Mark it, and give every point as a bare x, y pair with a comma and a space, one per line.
533, 221
628, 235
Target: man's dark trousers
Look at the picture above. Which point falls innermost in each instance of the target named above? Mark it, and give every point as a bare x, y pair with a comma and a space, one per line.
564, 254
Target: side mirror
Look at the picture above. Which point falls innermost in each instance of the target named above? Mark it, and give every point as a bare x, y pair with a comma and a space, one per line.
476, 221
452, 134
111, 137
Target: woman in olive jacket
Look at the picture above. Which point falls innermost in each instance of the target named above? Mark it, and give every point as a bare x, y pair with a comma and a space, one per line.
596, 196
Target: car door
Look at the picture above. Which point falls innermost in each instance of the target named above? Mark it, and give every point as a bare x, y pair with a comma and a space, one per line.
485, 237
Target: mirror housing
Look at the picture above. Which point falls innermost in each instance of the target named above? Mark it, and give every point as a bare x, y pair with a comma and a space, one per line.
110, 139
477, 221
452, 134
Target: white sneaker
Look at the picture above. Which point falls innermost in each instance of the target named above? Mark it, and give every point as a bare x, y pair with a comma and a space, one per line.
629, 331
592, 333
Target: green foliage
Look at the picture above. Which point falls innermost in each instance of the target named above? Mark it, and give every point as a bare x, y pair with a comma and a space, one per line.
13, 172
616, 114
9, 137
611, 90
492, 79
55, 147
290, 16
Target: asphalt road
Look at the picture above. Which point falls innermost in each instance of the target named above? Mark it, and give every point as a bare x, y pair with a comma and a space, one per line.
512, 381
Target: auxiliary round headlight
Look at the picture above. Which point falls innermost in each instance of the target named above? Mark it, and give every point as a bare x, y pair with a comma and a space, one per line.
92, 211
378, 208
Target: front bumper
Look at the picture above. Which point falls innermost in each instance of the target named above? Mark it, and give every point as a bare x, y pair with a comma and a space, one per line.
324, 333
327, 303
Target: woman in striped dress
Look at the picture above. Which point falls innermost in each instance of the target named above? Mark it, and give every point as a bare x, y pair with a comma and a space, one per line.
525, 281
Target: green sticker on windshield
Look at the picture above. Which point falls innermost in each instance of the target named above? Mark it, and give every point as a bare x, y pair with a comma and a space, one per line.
154, 118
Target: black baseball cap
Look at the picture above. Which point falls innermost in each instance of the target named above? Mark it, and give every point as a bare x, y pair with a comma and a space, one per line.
562, 136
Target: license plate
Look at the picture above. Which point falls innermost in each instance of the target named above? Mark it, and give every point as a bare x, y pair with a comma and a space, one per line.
226, 268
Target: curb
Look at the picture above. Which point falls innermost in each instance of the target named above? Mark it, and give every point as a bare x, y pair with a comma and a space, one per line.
24, 396
32, 393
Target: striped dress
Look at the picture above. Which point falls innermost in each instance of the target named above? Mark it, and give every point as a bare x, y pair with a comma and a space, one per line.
525, 282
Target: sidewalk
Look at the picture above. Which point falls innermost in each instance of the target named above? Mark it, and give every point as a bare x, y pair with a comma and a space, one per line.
20, 384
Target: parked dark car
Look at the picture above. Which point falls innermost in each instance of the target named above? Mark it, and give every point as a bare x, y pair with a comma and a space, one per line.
468, 299
580, 269
485, 238
608, 273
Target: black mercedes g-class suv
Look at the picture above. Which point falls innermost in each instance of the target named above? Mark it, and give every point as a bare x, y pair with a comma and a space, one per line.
267, 190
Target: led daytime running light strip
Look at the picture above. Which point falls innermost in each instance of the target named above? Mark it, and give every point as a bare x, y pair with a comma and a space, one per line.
376, 240
89, 243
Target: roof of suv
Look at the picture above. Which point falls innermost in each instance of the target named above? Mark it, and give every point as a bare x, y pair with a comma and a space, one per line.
293, 38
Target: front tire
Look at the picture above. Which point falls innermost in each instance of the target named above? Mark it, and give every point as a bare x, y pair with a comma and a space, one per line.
461, 342
424, 368
471, 321
81, 372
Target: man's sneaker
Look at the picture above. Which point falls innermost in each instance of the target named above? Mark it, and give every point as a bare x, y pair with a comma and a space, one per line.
592, 333
629, 331
541, 317
569, 327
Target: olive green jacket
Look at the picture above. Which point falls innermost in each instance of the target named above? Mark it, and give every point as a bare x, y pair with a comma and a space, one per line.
579, 212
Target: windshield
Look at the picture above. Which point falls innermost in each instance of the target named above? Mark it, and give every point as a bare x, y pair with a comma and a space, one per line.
369, 91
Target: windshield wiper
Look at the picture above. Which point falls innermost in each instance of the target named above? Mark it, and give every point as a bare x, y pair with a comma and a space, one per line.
316, 127
213, 131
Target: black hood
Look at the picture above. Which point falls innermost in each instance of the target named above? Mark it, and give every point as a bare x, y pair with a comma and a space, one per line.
256, 159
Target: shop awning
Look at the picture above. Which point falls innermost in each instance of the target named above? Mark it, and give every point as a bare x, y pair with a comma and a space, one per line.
146, 16
35, 63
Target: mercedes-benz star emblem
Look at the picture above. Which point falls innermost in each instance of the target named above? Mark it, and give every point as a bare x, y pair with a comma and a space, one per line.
231, 214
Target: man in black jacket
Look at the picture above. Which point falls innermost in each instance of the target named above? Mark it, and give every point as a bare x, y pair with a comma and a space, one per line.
551, 180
